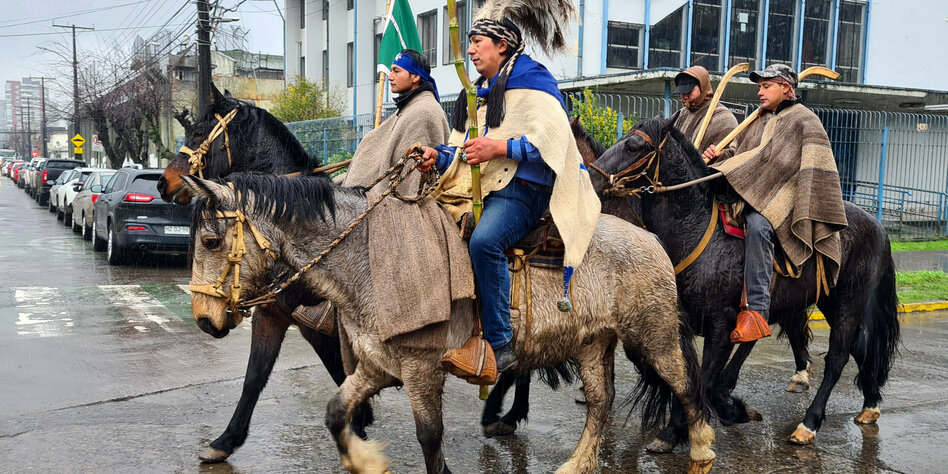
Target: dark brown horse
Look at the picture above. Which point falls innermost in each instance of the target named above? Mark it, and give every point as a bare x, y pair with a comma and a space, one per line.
254, 141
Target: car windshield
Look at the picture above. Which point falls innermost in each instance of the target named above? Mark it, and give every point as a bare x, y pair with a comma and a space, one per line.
146, 183
62, 165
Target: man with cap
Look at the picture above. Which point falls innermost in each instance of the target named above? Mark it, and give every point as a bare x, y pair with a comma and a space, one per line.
419, 118
529, 162
694, 86
784, 170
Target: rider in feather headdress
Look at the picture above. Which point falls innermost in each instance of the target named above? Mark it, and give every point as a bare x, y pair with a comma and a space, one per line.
528, 157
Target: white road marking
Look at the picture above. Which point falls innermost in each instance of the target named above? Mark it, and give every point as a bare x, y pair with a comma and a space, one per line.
138, 306
39, 314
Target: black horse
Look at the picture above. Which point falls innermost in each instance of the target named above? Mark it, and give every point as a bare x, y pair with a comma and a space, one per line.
861, 310
256, 141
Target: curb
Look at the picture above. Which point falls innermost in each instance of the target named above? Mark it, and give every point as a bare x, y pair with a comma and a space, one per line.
903, 308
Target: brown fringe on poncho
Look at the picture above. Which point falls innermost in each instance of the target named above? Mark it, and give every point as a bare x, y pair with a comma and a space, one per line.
791, 179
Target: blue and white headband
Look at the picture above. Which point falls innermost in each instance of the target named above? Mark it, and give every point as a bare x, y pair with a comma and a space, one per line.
409, 64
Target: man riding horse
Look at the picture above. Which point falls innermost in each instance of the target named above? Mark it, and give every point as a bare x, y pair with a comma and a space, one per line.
529, 162
784, 169
694, 86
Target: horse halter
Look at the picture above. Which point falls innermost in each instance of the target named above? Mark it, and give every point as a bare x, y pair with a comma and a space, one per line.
641, 168
197, 158
237, 251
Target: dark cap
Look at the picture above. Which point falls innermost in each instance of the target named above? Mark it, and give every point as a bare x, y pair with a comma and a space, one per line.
776, 71
685, 82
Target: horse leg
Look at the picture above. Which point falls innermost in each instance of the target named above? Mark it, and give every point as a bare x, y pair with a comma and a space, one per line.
717, 351
521, 404
592, 372
799, 339
268, 331
731, 373
356, 454
425, 384
328, 350
490, 417
842, 336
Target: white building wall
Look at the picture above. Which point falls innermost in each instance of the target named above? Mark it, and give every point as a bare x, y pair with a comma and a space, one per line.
906, 44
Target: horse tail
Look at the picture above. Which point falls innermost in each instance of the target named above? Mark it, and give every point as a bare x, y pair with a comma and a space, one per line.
655, 395
879, 334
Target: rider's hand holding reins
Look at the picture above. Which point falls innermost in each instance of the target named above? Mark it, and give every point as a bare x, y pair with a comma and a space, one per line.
710, 154
428, 159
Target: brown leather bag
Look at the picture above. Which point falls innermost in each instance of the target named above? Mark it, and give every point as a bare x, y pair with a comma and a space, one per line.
321, 317
751, 326
474, 362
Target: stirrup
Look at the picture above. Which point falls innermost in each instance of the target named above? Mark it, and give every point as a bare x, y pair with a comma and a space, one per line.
751, 326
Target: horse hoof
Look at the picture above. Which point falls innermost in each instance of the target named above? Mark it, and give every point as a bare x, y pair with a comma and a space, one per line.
798, 387
754, 415
868, 416
699, 467
211, 455
802, 435
499, 428
659, 446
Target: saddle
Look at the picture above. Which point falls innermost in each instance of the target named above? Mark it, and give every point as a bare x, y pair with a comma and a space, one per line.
543, 244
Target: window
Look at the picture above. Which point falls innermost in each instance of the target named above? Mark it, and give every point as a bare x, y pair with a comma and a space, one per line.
743, 46
348, 4
448, 54
117, 183
349, 71
302, 66
302, 13
780, 32
325, 70
706, 34
428, 33
849, 43
145, 183
816, 33
325, 10
623, 45
664, 47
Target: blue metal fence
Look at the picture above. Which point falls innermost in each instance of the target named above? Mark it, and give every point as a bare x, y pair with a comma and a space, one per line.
894, 165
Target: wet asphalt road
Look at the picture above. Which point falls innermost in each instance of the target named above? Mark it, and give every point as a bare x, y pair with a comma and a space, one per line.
104, 370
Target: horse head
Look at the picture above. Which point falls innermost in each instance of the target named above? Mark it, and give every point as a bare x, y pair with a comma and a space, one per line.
237, 237
232, 136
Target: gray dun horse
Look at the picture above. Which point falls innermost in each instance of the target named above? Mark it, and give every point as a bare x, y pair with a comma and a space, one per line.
624, 292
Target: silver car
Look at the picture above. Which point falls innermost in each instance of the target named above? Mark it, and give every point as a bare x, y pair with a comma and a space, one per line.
68, 191
82, 206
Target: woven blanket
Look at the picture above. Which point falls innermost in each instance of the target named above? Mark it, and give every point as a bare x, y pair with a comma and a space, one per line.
791, 179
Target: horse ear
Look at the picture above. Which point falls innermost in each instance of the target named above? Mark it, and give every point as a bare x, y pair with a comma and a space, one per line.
216, 96
227, 94
208, 190
670, 121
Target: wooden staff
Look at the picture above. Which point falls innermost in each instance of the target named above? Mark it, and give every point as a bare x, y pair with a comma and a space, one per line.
817, 70
737, 69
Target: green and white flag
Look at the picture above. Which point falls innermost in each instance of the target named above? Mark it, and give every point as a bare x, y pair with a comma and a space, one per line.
400, 33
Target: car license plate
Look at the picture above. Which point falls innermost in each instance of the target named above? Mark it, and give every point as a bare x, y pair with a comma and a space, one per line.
176, 230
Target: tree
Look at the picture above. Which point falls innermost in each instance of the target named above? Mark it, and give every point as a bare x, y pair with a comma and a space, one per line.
307, 100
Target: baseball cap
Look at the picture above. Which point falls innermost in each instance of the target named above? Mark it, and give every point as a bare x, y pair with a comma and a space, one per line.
685, 82
776, 71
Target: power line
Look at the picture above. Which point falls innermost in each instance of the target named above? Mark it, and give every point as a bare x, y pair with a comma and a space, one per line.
63, 15
102, 29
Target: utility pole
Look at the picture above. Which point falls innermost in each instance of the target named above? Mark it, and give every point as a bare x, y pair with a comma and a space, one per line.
204, 55
43, 109
75, 77
29, 130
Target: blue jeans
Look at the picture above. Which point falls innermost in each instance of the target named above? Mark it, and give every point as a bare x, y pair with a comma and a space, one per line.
509, 214
758, 261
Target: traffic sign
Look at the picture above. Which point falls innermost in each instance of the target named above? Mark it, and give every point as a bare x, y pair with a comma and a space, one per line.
78, 141
77, 150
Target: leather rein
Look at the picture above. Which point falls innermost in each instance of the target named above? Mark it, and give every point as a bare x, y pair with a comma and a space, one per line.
198, 158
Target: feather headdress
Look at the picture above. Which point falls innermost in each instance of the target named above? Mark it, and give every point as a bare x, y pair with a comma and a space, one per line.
544, 21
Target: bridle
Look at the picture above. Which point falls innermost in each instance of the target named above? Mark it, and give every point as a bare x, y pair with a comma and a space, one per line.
643, 167
237, 251
198, 158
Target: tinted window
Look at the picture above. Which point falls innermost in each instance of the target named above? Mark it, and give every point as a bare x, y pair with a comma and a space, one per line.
62, 165
84, 176
117, 183
146, 183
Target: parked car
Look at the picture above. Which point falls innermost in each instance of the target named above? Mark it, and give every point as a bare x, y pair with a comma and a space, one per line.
16, 173
30, 184
81, 207
129, 219
8, 168
46, 173
58, 184
68, 191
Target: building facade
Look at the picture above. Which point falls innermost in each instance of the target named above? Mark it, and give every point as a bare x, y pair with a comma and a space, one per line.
870, 43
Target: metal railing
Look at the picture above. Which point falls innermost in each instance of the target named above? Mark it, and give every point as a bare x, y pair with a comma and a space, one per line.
894, 165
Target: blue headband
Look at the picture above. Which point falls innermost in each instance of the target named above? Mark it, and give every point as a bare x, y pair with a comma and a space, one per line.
408, 63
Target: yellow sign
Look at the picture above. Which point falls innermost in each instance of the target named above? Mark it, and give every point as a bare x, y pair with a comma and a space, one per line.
78, 141
77, 150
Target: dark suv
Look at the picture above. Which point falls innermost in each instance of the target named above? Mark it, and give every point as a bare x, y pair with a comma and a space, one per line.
47, 172
130, 219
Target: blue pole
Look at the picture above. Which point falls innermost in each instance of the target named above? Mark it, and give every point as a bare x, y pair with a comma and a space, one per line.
668, 98
605, 36
946, 205
885, 145
648, 33
799, 59
690, 13
355, 59
834, 35
579, 54
726, 52
620, 124
325, 147
865, 44
763, 49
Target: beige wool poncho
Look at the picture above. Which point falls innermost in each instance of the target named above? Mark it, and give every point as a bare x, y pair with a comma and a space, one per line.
790, 178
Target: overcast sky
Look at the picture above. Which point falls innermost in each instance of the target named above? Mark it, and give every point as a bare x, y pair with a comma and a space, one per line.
26, 25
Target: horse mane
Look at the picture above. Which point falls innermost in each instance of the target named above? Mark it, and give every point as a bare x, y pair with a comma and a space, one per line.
656, 127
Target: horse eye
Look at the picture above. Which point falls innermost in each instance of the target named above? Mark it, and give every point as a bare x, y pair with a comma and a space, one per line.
212, 243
